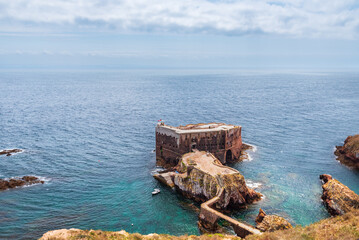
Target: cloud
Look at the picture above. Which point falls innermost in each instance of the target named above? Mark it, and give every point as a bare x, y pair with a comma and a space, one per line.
295, 18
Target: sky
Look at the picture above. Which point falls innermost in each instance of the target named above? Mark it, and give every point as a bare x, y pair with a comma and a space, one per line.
254, 34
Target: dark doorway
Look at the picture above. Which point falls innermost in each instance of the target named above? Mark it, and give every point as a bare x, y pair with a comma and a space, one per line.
229, 156
193, 146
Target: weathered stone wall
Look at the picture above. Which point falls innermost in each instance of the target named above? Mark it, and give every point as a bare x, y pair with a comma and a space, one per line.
167, 150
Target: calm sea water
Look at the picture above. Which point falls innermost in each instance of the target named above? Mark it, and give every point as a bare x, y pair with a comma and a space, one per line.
90, 134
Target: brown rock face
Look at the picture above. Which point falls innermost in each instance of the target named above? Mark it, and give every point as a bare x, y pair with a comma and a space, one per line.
337, 197
8, 152
348, 154
203, 177
270, 223
260, 216
18, 182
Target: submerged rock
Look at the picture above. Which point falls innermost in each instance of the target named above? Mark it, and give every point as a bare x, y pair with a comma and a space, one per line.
18, 182
348, 154
270, 223
9, 152
337, 197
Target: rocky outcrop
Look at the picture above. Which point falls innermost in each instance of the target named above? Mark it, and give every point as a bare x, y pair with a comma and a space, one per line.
9, 152
202, 177
337, 197
271, 223
348, 154
166, 178
18, 182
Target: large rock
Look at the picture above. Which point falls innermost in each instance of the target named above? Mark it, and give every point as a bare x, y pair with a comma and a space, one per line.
348, 154
202, 177
270, 223
18, 182
337, 197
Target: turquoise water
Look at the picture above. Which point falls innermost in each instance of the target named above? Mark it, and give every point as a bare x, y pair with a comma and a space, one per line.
90, 135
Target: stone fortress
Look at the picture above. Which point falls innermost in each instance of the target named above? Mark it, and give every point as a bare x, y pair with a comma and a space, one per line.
194, 156
222, 140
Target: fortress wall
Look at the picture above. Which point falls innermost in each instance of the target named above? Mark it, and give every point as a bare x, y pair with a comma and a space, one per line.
171, 145
167, 146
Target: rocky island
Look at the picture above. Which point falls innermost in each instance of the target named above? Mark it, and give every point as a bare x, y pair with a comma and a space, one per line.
337, 197
18, 182
348, 154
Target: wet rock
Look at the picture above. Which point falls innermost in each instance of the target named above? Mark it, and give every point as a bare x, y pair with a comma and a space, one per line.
9, 152
348, 154
270, 223
18, 182
337, 197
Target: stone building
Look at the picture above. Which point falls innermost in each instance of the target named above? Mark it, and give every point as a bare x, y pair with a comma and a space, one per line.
222, 140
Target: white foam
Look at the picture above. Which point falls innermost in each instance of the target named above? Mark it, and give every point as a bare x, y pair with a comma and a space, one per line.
253, 147
157, 170
253, 185
248, 158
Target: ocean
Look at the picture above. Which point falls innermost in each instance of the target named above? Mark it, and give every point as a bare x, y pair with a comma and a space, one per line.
90, 135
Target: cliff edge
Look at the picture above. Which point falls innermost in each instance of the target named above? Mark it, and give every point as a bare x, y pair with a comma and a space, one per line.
348, 154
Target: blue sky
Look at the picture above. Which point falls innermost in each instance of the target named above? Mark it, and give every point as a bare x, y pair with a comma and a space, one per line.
314, 34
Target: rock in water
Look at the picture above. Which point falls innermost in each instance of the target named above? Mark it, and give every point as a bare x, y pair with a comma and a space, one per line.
9, 152
270, 223
202, 177
337, 197
348, 154
18, 182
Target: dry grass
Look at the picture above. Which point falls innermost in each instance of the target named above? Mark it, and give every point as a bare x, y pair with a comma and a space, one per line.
344, 227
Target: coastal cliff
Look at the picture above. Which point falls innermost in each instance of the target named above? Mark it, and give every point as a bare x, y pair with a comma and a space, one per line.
348, 154
337, 197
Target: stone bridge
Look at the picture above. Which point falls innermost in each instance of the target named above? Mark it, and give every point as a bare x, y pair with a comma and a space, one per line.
208, 218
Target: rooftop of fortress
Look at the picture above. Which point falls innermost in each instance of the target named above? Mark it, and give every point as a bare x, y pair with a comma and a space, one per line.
200, 127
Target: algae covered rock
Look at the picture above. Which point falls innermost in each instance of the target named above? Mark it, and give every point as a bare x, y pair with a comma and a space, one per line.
270, 223
348, 154
337, 197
